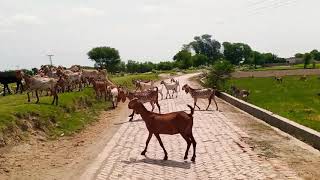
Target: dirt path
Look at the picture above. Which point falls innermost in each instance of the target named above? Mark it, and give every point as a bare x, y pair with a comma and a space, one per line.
231, 144
62, 158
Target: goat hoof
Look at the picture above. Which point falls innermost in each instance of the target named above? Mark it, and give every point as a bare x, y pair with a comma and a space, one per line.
193, 159
143, 153
165, 158
186, 157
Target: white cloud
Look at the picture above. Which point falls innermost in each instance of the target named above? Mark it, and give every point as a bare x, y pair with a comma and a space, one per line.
84, 11
19, 19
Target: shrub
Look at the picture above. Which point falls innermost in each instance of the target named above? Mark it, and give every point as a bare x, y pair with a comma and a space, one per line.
219, 73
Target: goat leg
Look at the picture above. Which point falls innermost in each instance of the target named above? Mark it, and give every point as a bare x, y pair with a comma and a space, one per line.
28, 96
194, 143
17, 89
161, 144
209, 103
37, 97
188, 145
131, 115
147, 143
157, 103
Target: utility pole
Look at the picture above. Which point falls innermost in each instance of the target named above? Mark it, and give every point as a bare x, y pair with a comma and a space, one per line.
50, 58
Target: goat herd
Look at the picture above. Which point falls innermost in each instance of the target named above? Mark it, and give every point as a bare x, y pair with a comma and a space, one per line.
170, 123
56, 80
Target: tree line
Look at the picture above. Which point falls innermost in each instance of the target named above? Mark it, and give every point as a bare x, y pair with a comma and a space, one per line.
203, 50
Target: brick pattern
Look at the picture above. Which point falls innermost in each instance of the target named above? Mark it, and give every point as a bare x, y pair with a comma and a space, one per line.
221, 154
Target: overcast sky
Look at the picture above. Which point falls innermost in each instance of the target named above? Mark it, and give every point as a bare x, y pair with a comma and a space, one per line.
149, 29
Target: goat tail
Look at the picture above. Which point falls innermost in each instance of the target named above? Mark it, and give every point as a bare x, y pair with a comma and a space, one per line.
192, 110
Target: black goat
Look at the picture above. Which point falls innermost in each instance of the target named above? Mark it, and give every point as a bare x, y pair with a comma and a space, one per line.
11, 77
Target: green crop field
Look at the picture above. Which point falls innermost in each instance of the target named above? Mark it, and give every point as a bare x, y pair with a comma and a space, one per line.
294, 99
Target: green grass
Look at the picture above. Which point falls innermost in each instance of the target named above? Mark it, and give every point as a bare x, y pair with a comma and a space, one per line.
297, 66
75, 110
126, 80
294, 99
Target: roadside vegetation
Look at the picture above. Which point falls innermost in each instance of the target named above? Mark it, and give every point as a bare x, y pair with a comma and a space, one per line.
75, 110
294, 99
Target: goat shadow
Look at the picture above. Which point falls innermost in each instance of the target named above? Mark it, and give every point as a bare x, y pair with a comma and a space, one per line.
158, 162
137, 120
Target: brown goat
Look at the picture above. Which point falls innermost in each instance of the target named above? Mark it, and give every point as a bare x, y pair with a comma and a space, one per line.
100, 87
171, 123
150, 96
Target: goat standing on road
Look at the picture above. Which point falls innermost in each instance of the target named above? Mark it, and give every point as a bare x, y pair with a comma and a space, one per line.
170, 87
201, 94
171, 123
150, 96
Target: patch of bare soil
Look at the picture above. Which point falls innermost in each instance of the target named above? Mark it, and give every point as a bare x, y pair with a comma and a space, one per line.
64, 158
273, 144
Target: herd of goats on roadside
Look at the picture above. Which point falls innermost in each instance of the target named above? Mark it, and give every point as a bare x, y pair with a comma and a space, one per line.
55, 80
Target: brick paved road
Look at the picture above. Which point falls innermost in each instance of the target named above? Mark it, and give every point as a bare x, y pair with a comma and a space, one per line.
221, 154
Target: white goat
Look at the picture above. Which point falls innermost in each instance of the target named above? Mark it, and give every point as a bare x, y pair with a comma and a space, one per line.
170, 86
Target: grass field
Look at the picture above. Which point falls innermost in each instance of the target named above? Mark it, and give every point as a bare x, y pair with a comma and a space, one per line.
126, 80
74, 112
294, 99
297, 66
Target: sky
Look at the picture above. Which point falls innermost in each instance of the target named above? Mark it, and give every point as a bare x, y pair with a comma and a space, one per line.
149, 30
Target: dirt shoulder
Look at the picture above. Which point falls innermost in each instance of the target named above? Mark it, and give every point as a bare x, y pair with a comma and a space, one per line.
273, 144
63, 158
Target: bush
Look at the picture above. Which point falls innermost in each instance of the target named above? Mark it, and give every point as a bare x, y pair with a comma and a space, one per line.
219, 73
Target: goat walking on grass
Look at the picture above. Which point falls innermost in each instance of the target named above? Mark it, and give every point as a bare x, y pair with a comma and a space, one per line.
171, 123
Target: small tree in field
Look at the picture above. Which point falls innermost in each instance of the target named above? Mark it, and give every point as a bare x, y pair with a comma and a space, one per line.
220, 72
105, 57
307, 58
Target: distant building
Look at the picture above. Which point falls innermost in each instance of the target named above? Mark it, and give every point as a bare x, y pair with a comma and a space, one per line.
294, 60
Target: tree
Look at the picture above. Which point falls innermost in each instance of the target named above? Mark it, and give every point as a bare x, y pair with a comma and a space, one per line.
298, 55
132, 66
220, 72
236, 52
167, 65
199, 59
205, 45
307, 58
183, 58
315, 55
105, 58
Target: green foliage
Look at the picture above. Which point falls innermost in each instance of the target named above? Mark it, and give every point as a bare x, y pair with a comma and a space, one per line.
105, 58
126, 81
315, 54
298, 55
165, 66
219, 74
74, 111
293, 99
236, 52
307, 59
199, 60
183, 59
205, 45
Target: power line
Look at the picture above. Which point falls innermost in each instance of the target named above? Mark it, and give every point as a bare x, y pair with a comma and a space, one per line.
273, 6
